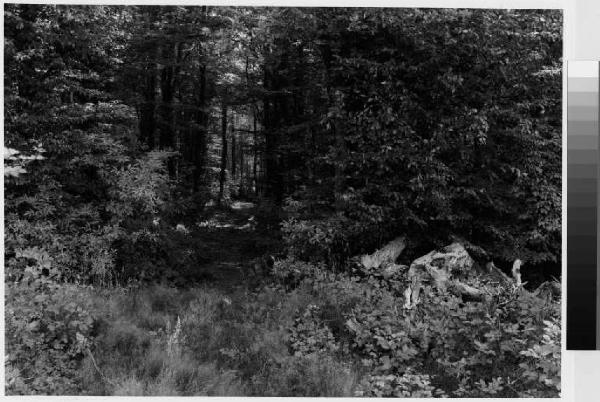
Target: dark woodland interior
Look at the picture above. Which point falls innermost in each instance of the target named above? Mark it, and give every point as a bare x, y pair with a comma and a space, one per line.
282, 201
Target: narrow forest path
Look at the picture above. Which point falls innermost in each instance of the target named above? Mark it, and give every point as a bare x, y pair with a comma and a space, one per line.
233, 242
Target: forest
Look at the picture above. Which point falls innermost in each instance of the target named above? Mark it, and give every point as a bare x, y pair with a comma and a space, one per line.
276, 201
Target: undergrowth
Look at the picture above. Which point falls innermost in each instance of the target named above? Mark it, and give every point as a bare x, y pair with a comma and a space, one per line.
327, 335
164, 341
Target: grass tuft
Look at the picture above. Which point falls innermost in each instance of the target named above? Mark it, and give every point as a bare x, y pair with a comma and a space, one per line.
171, 342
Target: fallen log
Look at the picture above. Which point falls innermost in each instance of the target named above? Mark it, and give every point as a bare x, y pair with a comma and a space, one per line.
440, 267
446, 270
516, 271
467, 292
385, 255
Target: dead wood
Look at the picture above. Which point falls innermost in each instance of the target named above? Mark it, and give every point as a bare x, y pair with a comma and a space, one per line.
385, 255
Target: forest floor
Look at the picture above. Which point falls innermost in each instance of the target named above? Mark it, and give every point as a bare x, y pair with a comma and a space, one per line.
234, 243
218, 330
226, 336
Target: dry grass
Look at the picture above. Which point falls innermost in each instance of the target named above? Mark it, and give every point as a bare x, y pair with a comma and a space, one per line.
224, 345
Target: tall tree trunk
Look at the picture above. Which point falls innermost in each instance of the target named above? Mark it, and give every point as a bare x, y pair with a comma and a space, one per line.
198, 151
166, 106
254, 159
339, 152
272, 118
147, 123
201, 133
167, 89
233, 147
242, 166
339, 163
222, 176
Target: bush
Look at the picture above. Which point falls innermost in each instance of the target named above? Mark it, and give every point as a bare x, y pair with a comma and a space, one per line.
331, 335
326, 240
307, 376
542, 369
309, 335
48, 331
83, 238
407, 385
466, 349
290, 272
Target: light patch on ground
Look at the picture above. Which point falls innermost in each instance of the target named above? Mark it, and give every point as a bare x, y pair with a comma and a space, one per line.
220, 224
237, 205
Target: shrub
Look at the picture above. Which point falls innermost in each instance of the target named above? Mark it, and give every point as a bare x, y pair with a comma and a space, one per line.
383, 340
142, 187
407, 385
48, 329
290, 272
306, 376
468, 349
542, 368
309, 335
325, 240
125, 340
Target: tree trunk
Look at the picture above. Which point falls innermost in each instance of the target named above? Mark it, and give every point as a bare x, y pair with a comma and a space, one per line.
201, 134
339, 172
222, 176
233, 148
167, 89
166, 106
147, 122
199, 152
272, 118
242, 166
254, 159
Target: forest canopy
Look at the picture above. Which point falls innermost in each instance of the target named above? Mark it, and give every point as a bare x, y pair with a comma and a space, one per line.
438, 123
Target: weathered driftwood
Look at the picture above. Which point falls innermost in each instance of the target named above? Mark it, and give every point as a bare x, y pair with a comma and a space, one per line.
468, 292
547, 290
445, 269
392, 270
516, 271
384, 256
441, 268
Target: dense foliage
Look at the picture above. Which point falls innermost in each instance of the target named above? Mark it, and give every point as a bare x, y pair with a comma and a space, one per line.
131, 131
